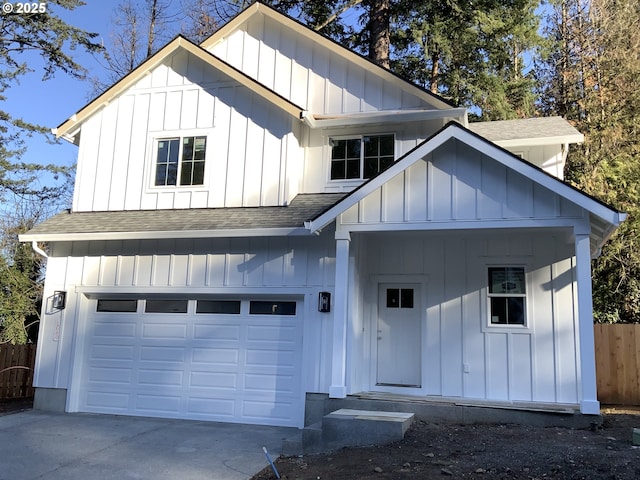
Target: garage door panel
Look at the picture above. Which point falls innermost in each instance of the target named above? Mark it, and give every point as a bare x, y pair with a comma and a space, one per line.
267, 411
175, 331
110, 375
112, 352
215, 356
223, 367
269, 383
150, 404
164, 377
163, 354
115, 329
107, 402
217, 332
270, 358
272, 333
214, 380
212, 407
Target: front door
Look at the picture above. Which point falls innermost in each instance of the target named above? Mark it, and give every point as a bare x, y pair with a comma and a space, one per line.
399, 335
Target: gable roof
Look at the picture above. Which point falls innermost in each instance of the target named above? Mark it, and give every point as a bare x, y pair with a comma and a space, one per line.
604, 219
186, 223
528, 131
260, 8
69, 128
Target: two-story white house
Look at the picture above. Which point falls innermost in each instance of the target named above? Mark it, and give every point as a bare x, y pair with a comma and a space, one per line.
269, 215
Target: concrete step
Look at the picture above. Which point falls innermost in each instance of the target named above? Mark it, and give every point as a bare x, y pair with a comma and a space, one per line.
346, 427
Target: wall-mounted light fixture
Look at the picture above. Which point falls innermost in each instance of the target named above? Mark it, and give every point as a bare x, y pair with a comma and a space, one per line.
59, 300
324, 302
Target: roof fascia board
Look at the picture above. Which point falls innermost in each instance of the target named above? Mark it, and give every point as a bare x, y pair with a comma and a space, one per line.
564, 222
174, 234
540, 141
389, 116
334, 47
72, 124
454, 130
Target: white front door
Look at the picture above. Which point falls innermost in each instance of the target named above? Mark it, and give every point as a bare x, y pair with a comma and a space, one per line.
399, 335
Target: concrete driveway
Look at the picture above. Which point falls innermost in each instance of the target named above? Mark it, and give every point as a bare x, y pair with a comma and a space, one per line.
39, 445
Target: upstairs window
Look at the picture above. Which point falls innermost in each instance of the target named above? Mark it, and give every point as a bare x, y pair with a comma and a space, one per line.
507, 294
362, 157
180, 161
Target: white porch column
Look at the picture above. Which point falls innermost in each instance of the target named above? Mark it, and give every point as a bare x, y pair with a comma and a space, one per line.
338, 387
589, 403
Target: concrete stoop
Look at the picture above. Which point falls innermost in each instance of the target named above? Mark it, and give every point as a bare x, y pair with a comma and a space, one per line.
348, 427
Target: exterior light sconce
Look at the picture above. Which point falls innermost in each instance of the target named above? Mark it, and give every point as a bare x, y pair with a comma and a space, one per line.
59, 301
324, 302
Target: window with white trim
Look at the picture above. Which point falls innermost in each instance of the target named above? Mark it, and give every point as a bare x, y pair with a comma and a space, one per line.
180, 161
507, 296
361, 157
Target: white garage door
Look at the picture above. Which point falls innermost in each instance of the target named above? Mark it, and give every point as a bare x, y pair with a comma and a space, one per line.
219, 360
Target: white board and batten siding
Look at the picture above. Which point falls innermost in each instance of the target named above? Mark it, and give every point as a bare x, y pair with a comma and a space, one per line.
308, 74
247, 268
462, 355
252, 159
462, 185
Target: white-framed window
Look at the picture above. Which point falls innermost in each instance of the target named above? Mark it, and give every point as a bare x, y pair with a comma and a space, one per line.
180, 161
507, 296
361, 157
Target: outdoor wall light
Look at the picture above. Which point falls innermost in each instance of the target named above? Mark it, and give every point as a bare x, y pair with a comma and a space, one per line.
59, 300
324, 302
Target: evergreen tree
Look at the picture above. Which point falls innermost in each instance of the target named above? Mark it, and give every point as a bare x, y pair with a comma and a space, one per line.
46, 35
471, 53
591, 80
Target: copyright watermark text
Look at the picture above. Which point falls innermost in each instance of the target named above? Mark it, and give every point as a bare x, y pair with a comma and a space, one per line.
20, 8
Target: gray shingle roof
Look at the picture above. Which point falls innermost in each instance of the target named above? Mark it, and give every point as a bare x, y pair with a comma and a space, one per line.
302, 208
528, 128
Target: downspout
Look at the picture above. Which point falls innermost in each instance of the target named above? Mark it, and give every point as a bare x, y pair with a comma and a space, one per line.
38, 250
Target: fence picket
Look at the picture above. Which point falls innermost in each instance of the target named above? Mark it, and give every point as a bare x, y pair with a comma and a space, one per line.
16, 370
618, 363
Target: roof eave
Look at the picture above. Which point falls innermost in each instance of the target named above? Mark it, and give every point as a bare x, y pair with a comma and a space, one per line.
540, 141
388, 116
174, 234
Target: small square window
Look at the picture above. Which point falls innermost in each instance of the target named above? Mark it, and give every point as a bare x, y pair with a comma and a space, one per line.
399, 297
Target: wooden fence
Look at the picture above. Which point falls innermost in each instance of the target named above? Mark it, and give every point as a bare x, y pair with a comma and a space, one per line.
618, 363
16, 370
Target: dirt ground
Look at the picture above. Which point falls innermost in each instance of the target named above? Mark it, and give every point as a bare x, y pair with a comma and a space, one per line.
484, 452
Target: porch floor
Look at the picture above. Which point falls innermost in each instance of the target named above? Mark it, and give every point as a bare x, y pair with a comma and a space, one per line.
568, 408
453, 410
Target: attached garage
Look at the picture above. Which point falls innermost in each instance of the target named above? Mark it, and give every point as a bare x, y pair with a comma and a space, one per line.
230, 360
